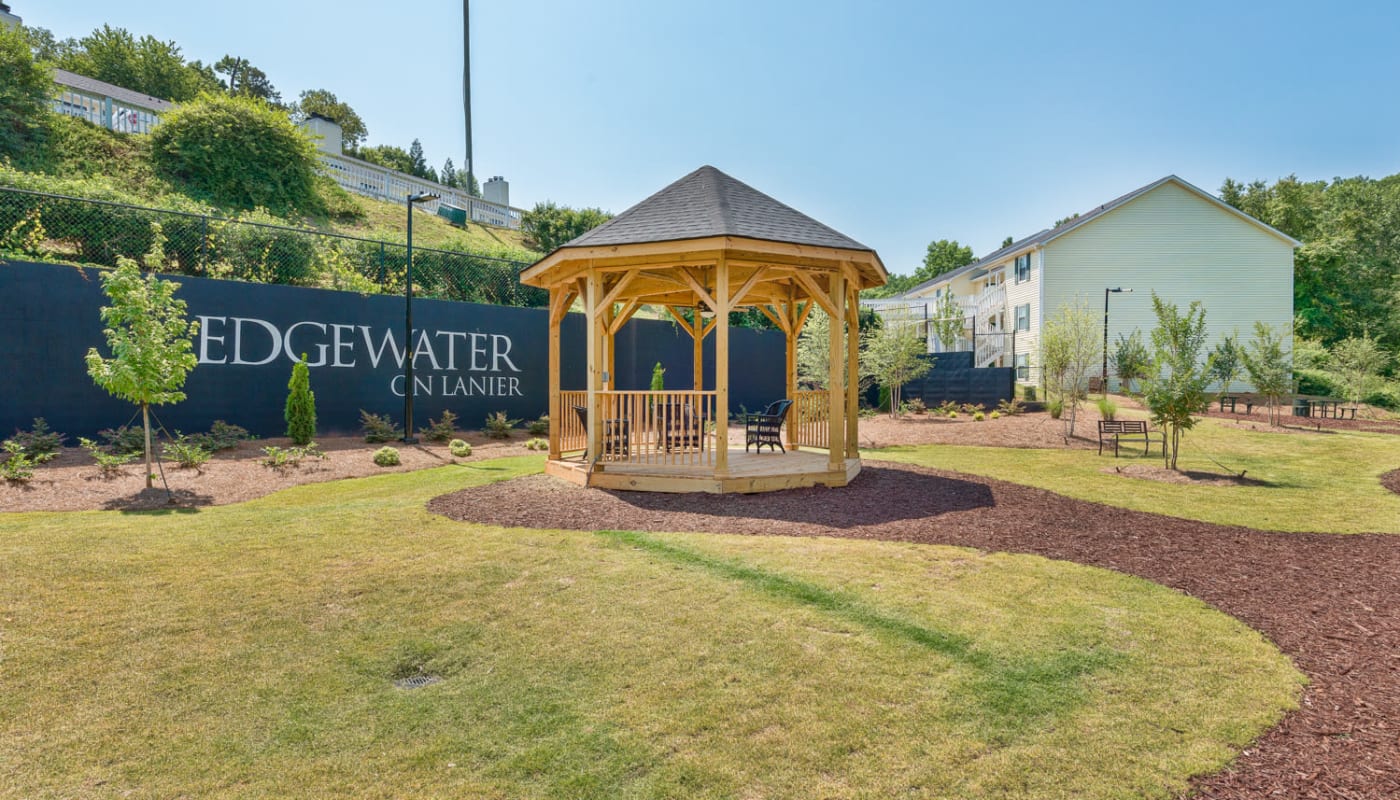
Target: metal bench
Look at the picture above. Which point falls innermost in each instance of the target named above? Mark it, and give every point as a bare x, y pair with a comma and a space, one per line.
1119, 428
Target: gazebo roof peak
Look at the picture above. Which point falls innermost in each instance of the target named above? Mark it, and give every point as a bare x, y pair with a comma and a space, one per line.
708, 203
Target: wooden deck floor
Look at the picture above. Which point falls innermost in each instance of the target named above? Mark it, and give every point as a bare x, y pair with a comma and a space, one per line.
748, 472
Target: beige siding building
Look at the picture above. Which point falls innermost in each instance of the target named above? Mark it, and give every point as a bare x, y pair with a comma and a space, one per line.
1168, 237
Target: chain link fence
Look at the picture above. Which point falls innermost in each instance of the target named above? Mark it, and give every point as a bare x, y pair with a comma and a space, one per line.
49, 227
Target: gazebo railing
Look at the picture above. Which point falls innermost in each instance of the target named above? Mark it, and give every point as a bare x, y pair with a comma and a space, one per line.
572, 436
809, 419
659, 428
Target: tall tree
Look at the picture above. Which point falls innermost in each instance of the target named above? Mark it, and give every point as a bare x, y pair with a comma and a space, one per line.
943, 255
448, 176
893, 355
417, 163
1007, 241
326, 104
242, 79
145, 65
24, 93
1176, 386
547, 225
387, 155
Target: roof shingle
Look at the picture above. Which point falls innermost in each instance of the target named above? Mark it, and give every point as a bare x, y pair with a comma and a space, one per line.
708, 203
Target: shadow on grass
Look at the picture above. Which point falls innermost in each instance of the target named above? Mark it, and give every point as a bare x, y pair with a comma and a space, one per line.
878, 495
1007, 691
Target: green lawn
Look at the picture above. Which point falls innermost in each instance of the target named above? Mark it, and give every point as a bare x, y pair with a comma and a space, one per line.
249, 651
1325, 481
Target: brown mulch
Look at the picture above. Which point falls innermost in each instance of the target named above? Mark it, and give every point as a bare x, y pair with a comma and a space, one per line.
1331, 602
1391, 480
72, 481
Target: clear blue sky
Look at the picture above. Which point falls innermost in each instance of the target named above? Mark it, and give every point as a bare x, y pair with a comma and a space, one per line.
895, 123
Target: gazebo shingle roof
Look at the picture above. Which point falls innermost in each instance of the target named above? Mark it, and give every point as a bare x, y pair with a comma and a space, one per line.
708, 203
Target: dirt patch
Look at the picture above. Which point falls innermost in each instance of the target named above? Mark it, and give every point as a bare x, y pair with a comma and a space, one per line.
1329, 601
1192, 477
1391, 480
1035, 430
72, 481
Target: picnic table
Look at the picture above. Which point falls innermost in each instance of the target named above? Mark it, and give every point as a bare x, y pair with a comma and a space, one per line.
1304, 405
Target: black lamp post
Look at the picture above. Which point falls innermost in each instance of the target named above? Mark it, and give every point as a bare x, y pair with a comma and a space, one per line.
408, 437
1105, 334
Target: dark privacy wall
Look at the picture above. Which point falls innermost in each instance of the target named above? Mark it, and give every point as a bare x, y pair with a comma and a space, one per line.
953, 378
470, 359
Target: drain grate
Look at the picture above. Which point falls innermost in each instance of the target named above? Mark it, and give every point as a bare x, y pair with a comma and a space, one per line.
417, 681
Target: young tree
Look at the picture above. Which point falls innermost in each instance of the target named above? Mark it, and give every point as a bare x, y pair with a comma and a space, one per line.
1267, 363
893, 355
448, 175
1176, 388
24, 93
300, 412
1226, 363
948, 320
1358, 361
1070, 350
150, 340
1130, 359
326, 104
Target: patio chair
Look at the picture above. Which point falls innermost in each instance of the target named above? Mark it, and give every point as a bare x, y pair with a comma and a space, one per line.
617, 439
766, 428
680, 430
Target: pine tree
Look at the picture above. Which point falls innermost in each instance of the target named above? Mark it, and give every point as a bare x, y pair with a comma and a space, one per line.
301, 405
417, 162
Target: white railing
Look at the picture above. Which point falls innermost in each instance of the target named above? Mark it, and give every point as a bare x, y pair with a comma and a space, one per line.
989, 301
382, 183
105, 112
989, 347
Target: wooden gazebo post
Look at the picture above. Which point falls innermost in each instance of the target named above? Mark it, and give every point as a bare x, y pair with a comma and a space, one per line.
721, 367
836, 390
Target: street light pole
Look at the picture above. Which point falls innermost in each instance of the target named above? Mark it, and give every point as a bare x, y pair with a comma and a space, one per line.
1106, 292
408, 437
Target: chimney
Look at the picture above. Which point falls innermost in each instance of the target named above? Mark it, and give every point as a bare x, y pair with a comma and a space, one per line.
326, 132
8, 18
497, 191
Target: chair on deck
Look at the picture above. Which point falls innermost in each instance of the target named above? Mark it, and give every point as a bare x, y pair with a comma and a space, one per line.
680, 430
617, 437
766, 428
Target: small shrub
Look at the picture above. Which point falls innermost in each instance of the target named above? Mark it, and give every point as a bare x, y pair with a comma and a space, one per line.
947, 407
18, 467
441, 429
539, 427
221, 436
1029, 393
978, 416
459, 448
386, 457
499, 426
884, 402
379, 428
124, 440
916, 406
969, 408
1010, 407
952, 415
108, 464
537, 444
1107, 408
1056, 407
300, 412
185, 453
995, 415
279, 457
38, 444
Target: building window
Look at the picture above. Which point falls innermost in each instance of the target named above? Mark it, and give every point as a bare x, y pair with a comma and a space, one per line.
1023, 268
1023, 367
1023, 317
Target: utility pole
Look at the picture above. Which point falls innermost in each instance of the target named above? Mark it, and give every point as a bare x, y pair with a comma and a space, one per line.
467, 85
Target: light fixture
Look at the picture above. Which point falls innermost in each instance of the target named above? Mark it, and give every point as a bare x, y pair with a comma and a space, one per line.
408, 437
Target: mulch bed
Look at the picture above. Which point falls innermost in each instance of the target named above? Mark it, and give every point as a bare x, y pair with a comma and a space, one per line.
1391, 480
1331, 602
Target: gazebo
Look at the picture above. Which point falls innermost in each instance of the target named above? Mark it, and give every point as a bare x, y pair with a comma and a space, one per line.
700, 248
